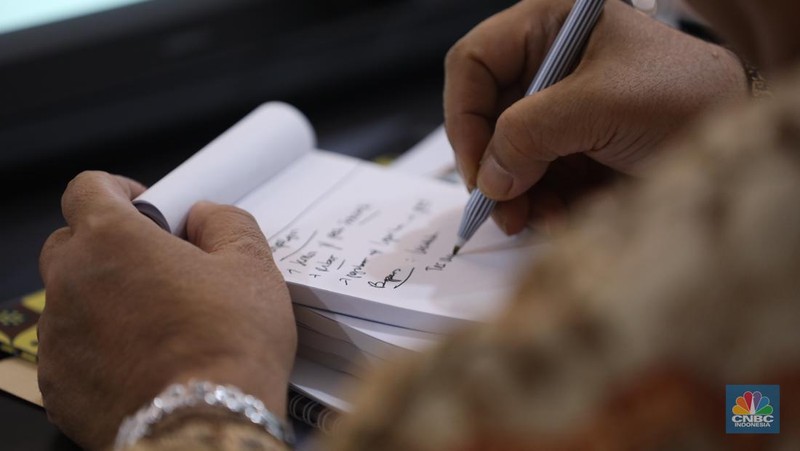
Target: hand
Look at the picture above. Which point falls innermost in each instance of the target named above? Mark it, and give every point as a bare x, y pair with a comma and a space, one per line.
636, 85
132, 309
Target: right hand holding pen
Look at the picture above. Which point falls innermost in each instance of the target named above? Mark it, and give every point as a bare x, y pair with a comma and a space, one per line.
638, 83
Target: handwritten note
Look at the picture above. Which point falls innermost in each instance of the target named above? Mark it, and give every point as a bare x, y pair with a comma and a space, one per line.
358, 239
349, 237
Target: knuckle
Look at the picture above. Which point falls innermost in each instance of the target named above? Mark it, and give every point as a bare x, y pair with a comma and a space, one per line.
241, 231
52, 242
101, 226
237, 219
508, 123
467, 50
86, 178
52, 238
252, 242
475, 44
512, 131
254, 249
51, 260
456, 53
227, 215
239, 214
524, 140
80, 186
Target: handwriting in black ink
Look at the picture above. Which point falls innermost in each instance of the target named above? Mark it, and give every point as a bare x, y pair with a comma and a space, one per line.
422, 207
369, 218
332, 246
426, 243
336, 234
281, 243
358, 270
324, 266
390, 236
406, 279
436, 267
388, 239
389, 278
441, 264
356, 214
304, 258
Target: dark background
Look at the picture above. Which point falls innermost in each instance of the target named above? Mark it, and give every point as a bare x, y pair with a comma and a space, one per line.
135, 91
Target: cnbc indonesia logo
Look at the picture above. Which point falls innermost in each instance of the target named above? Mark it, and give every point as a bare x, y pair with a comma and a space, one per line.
752, 409
753, 412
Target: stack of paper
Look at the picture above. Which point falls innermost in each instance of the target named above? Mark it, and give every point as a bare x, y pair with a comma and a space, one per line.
365, 250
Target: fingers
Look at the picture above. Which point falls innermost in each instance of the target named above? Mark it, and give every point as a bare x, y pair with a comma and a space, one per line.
130, 186
503, 51
511, 216
94, 193
534, 132
569, 180
50, 249
223, 229
88, 195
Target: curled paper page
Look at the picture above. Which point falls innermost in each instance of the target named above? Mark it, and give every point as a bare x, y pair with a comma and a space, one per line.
244, 157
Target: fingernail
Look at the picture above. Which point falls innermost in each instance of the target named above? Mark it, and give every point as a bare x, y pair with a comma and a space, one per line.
493, 180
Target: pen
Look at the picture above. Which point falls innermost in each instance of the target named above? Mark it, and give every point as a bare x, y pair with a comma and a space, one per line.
560, 60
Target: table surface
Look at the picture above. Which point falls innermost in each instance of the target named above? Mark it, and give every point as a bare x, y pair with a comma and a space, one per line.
365, 124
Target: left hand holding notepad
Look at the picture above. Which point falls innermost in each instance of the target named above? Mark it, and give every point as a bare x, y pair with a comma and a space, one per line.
131, 308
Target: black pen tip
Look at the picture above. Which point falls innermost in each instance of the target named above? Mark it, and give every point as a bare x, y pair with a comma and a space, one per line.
455, 250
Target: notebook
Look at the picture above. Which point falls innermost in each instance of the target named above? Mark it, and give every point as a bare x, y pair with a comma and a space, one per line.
349, 236
268, 164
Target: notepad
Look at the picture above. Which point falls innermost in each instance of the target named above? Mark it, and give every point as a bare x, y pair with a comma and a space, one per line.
349, 236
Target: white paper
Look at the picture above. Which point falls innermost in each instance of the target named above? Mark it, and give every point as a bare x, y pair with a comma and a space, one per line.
241, 159
380, 340
432, 157
356, 358
322, 384
354, 238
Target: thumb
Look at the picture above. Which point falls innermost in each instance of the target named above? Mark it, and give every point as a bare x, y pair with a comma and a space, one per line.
532, 133
220, 229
